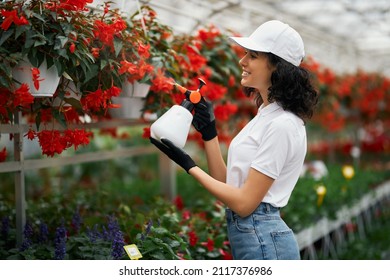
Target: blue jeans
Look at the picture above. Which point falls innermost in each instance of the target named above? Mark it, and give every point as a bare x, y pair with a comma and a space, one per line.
263, 235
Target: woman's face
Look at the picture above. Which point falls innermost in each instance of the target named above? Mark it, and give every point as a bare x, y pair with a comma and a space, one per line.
256, 71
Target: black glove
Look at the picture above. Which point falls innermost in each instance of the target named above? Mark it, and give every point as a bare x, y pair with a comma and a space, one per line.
204, 119
174, 153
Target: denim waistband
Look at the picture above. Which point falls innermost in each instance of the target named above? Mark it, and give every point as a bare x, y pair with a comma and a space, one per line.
263, 208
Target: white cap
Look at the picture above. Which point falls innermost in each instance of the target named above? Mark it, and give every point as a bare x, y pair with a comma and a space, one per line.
275, 37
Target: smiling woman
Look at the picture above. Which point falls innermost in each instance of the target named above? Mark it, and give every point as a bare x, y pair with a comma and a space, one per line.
265, 158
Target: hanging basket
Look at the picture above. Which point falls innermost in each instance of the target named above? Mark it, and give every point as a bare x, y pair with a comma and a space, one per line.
131, 100
135, 89
48, 78
131, 107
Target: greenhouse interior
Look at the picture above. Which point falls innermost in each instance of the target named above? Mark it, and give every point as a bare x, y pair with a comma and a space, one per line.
83, 81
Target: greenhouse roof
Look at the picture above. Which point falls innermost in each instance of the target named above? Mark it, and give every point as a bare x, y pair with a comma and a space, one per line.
342, 34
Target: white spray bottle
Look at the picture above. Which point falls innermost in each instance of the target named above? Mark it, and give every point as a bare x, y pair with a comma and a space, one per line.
175, 124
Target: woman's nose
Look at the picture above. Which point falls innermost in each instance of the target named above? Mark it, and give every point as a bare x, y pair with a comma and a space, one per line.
242, 61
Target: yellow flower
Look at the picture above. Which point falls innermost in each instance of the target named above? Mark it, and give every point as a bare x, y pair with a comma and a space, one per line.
348, 172
321, 191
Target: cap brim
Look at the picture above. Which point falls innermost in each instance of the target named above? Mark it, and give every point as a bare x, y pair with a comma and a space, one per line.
249, 44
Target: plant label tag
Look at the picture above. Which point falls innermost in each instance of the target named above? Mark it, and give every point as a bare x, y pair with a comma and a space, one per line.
133, 252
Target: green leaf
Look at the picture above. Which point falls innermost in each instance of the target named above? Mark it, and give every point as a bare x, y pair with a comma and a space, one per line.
160, 230
66, 75
76, 104
118, 45
38, 119
60, 117
60, 42
5, 35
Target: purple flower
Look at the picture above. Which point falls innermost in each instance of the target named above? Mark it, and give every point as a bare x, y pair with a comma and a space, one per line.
93, 234
77, 221
28, 233
116, 237
113, 227
105, 234
43, 233
148, 227
60, 242
4, 228
117, 245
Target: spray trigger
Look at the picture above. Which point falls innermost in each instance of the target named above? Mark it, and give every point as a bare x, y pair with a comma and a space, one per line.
193, 96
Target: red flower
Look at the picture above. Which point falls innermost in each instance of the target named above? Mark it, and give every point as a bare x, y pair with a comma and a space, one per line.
136, 71
146, 133
209, 244
161, 83
208, 36
22, 96
144, 68
127, 67
105, 32
95, 52
113, 91
51, 142
178, 201
71, 115
3, 154
77, 137
12, 17
214, 91
76, 4
72, 48
193, 238
225, 255
99, 99
35, 76
143, 50
223, 112
186, 215
197, 61
30, 134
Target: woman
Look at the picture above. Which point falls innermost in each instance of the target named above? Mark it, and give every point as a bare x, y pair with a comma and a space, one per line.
265, 159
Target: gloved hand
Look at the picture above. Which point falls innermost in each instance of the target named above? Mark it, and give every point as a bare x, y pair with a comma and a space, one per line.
174, 153
204, 119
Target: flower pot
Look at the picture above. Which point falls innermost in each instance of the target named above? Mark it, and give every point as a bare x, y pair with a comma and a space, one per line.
48, 78
131, 100
131, 107
135, 89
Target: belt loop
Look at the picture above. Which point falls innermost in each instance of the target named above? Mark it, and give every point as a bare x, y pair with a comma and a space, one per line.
268, 207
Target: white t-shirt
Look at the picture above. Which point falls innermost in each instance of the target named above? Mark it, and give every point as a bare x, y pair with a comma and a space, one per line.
273, 143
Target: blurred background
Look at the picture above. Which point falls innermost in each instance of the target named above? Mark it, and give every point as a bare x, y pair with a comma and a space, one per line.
89, 199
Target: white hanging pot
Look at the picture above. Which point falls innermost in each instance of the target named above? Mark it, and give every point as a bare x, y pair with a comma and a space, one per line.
48, 78
135, 89
131, 107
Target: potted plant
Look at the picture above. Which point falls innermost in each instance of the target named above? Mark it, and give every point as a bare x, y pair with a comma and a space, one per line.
43, 35
49, 35
147, 64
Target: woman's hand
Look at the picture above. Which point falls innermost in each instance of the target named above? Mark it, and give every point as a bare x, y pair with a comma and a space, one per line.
174, 153
204, 119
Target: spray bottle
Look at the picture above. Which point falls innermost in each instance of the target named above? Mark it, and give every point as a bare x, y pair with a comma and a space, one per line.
175, 124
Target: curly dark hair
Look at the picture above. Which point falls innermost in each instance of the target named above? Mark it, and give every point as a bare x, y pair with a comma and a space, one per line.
291, 88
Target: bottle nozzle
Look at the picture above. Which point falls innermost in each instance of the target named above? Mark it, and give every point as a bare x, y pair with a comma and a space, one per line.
182, 89
201, 83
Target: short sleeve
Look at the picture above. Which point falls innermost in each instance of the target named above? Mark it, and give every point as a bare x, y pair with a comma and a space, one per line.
273, 150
